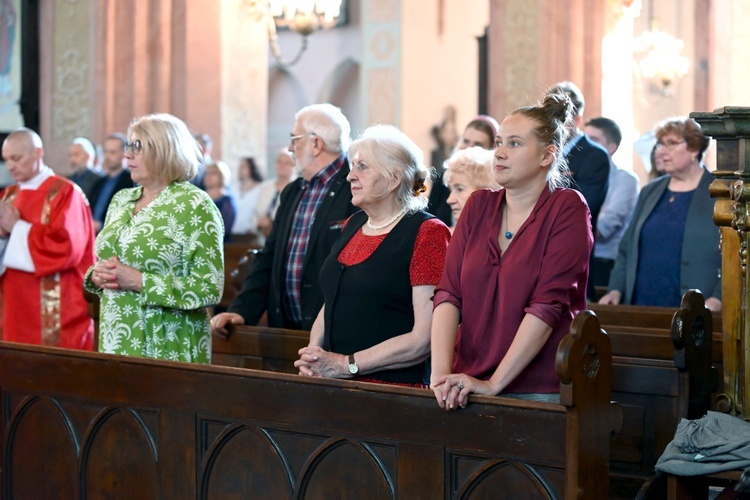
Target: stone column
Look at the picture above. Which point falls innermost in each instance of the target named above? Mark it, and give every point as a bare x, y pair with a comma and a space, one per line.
381, 62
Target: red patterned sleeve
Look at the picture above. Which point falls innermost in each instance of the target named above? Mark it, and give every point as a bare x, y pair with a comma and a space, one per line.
428, 258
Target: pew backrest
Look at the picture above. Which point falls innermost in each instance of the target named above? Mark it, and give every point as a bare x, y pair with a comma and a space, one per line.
133, 428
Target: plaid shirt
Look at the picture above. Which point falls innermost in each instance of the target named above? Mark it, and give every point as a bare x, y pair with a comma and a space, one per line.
314, 192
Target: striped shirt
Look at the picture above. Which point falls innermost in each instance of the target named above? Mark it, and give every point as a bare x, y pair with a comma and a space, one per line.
314, 192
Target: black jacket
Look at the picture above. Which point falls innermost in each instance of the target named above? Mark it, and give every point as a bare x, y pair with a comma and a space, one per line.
123, 182
264, 285
589, 164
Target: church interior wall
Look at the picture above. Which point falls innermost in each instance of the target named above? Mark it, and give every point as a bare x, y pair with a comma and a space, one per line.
402, 62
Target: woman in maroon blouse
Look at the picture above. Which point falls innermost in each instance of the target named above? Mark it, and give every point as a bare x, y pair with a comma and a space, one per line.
379, 278
516, 268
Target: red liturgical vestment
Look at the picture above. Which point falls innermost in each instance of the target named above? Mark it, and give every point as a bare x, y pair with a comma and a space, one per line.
47, 306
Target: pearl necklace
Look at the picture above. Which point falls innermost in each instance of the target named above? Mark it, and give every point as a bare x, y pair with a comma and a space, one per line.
387, 223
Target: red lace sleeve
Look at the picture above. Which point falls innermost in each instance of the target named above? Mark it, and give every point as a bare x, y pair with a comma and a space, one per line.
428, 258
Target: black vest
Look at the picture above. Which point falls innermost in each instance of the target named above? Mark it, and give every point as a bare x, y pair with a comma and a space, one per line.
371, 302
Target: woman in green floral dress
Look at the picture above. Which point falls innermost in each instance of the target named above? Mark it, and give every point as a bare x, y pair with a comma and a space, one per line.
160, 253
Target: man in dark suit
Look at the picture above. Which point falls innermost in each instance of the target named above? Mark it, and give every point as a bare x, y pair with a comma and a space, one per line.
588, 163
283, 280
82, 154
117, 178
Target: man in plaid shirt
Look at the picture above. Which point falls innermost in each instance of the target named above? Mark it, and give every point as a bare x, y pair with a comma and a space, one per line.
283, 280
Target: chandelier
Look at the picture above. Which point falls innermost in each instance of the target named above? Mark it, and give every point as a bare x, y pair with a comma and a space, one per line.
301, 16
660, 56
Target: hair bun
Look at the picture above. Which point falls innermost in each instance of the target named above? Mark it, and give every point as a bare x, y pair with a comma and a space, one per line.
559, 106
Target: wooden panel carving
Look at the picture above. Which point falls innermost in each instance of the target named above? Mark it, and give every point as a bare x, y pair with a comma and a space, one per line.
30, 459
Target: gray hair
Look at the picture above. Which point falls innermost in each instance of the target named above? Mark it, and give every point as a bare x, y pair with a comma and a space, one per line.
476, 163
327, 122
391, 151
86, 145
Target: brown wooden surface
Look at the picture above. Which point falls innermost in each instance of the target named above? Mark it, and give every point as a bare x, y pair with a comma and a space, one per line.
90, 425
652, 380
645, 382
237, 260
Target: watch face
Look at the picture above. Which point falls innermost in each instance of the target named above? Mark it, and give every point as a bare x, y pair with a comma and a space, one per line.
353, 369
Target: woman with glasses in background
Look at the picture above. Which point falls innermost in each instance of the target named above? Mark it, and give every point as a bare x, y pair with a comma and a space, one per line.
160, 253
671, 244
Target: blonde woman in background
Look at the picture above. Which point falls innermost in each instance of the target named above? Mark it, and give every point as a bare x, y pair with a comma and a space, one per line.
466, 171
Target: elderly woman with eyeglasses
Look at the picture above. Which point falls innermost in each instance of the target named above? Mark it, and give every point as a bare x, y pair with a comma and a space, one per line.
671, 244
160, 253
378, 280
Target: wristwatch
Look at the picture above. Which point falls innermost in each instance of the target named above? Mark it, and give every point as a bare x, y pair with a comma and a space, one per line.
353, 368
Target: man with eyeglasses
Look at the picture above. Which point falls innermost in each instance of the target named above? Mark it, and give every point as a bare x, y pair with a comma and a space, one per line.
46, 247
117, 178
283, 280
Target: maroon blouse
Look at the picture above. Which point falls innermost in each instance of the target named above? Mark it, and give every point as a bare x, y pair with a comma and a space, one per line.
543, 272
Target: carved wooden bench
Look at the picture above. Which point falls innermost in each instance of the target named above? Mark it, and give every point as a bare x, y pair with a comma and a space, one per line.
91, 425
650, 377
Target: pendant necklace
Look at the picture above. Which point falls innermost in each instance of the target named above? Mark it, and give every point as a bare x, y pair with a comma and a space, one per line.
509, 234
387, 223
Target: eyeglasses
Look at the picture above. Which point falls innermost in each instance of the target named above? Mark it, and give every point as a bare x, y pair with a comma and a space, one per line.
134, 147
669, 145
294, 138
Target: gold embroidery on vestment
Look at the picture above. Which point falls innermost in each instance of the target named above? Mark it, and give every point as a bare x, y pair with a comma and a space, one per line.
50, 298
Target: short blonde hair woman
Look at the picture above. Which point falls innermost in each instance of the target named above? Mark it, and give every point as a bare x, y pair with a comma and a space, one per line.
167, 142
161, 256
466, 171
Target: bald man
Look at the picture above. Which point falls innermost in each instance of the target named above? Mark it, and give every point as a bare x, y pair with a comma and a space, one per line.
46, 247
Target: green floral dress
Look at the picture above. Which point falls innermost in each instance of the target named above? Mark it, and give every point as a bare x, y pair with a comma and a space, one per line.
176, 242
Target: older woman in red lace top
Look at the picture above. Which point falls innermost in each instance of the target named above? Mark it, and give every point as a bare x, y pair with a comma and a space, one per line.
380, 276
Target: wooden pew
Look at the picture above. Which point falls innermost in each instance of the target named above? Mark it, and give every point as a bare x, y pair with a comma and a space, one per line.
237, 260
90, 425
648, 382
652, 374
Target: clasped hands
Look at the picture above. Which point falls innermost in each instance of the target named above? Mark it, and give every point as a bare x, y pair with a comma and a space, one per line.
111, 274
9, 215
452, 391
317, 362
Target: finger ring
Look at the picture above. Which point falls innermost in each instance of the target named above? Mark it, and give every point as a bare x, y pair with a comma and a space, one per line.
460, 386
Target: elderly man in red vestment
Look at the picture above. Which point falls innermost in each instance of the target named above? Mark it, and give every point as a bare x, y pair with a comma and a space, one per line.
46, 246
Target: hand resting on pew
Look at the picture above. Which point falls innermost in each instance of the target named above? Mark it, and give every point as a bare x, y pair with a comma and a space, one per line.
220, 321
613, 298
452, 389
398, 354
